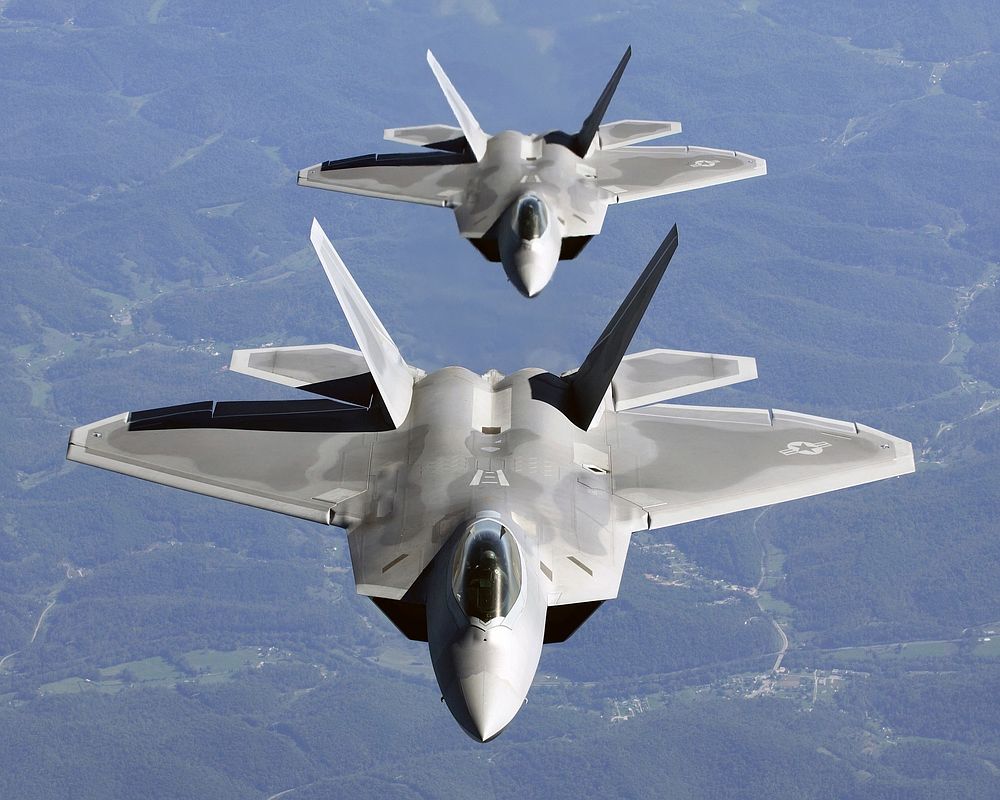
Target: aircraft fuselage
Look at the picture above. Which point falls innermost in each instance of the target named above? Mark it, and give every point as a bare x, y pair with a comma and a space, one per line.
520, 169
479, 450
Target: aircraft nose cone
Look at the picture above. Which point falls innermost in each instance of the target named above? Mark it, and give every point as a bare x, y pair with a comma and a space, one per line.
532, 272
532, 284
492, 703
484, 678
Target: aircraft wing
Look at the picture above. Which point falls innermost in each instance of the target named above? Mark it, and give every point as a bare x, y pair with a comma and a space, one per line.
303, 475
683, 463
635, 173
436, 179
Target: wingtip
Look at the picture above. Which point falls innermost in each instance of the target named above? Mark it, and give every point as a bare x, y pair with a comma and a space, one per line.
430, 59
328, 256
316, 232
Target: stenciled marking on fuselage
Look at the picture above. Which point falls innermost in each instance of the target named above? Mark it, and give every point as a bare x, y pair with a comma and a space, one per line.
489, 477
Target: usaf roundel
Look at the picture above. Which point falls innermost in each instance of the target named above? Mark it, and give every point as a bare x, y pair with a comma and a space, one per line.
805, 448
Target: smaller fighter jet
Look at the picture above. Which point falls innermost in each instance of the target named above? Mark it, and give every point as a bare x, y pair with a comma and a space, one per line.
531, 200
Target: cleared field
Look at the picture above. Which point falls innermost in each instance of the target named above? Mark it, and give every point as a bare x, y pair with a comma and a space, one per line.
75, 685
772, 605
212, 666
988, 649
148, 669
224, 660
909, 650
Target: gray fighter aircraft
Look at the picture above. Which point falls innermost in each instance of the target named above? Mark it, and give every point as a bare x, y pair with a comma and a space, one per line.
530, 201
491, 514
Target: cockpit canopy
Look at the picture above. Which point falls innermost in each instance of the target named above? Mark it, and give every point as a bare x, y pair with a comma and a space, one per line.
531, 219
486, 571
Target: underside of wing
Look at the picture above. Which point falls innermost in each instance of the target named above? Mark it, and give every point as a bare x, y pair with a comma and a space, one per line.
683, 463
436, 179
635, 173
305, 475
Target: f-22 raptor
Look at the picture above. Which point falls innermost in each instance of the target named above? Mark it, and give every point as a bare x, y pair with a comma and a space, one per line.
489, 515
531, 200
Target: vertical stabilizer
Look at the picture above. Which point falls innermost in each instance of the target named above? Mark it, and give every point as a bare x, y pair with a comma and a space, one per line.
590, 125
393, 377
580, 395
474, 135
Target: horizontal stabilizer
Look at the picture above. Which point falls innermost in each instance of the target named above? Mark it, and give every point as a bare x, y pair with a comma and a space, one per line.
439, 137
306, 367
633, 131
657, 375
392, 376
299, 366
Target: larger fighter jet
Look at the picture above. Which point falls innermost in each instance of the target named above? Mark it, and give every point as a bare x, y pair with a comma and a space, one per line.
530, 201
489, 515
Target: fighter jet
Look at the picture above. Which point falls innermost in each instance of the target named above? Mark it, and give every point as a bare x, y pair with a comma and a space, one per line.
530, 201
490, 515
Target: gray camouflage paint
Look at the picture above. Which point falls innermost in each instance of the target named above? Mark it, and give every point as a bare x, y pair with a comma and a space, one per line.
571, 498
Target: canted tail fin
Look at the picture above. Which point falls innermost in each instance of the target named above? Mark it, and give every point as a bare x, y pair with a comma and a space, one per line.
585, 137
357, 401
474, 135
390, 372
580, 395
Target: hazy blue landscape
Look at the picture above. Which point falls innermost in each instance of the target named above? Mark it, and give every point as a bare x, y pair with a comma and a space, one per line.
161, 645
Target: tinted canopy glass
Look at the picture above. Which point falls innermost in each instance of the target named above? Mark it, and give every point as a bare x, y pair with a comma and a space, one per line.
486, 572
531, 218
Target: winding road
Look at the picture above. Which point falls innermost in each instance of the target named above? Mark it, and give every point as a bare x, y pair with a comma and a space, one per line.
34, 633
41, 618
780, 655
